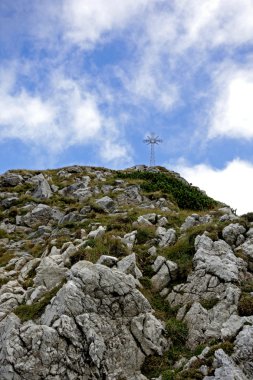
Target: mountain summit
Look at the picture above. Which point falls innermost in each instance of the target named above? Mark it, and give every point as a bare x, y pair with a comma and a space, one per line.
122, 275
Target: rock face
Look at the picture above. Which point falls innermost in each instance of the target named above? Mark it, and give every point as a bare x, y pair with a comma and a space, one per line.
97, 327
85, 252
43, 189
216, 272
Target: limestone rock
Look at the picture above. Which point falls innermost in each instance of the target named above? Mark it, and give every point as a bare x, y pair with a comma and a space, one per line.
131, 195
69, 252
165, 237
243, 350
195, 220
148, 331
107, 204
109, 261
11, 295
233, 234
10, 179
129, 239
233, 325
128, 265
97, 326
41, 214
8, 202
226, 368
43, 189
152, 251
216, 270
228, 214
49, 273
99, 232
79, 190
165, 272
162, 222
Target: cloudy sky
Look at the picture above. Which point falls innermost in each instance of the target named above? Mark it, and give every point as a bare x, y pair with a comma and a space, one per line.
85, 81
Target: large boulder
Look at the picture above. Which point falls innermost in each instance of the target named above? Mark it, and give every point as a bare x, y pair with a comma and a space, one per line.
243, 350
165, 237
166, 271
213, 282
226, 368
195, 220
43, 189
107, 204
98, 326
41, 214
49, 273
233, 234
79, 190
10, 179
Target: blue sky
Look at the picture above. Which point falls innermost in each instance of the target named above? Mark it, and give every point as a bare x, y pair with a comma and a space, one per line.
85, 81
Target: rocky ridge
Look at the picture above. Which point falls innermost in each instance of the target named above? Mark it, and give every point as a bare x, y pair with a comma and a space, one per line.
131, 274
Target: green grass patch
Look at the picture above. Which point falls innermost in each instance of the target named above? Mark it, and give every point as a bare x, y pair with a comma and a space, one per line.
177, 331
5, 257
226, 346
34, 311
245, 305
209, 303
145, 233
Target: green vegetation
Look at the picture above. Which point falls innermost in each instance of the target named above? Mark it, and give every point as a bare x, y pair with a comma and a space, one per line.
107, 245
177, 331
3, 234
5, 257
209, 303
245, 305
185, 195
34, 311
227, 347
145, 233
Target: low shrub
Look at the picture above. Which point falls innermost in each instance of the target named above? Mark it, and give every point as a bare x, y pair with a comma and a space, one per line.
144, 234
3, 234
245, 305
226, 346
209, 303
185, 195
177, 331
5, 258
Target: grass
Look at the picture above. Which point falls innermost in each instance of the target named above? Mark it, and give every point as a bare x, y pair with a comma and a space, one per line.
177, 331
3, 234
5, 258
34, 311
227, 347
107, 245
245, 305
209, 303
145, 233
4, 281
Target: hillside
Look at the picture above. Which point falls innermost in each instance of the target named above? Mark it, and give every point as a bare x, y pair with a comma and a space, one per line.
122, 275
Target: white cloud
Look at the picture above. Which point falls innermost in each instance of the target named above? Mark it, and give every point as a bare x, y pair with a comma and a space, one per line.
67, 114
231, 185
232, 115
176, 38
85, 23
25, 116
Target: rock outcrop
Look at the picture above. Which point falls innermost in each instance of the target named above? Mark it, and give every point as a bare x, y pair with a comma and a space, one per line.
97, 326
107, 275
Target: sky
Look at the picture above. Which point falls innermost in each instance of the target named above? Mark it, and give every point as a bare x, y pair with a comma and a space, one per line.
85, 81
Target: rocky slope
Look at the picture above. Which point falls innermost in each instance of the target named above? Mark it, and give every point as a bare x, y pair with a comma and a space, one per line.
115, 275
